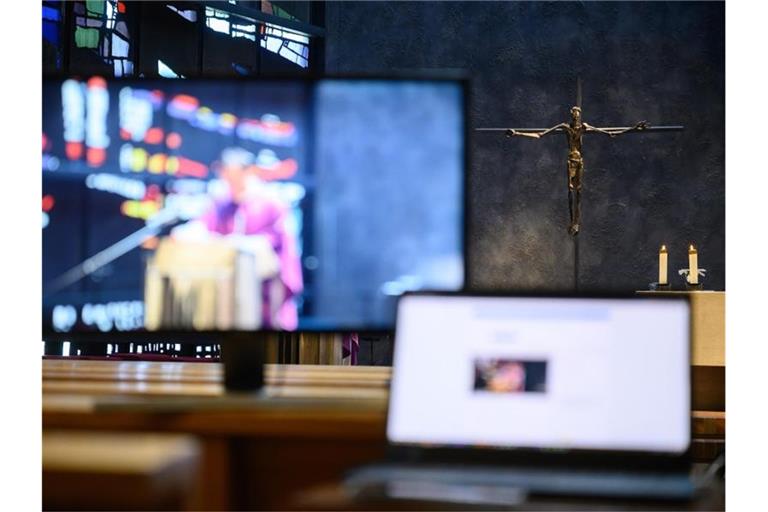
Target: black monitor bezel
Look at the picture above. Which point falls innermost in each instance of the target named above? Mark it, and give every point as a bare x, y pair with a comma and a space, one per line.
459, 77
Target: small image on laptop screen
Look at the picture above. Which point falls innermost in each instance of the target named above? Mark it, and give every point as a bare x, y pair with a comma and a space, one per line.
502, 375
541, 373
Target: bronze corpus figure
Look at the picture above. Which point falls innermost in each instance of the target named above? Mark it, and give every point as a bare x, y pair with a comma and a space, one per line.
574, 133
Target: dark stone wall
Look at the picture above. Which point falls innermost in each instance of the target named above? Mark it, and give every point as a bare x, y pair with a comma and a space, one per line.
655, 61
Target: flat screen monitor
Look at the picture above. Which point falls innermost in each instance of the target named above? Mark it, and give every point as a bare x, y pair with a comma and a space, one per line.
543, 373
216, 205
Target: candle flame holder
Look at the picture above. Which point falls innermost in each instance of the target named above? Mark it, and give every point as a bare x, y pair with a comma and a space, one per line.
685, 274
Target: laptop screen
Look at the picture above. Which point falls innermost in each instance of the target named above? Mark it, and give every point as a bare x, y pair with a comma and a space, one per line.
542, 373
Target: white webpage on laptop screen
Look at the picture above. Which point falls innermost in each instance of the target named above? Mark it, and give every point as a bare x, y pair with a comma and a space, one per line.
596, 374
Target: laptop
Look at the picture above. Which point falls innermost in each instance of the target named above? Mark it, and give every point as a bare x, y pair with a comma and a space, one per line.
497, 397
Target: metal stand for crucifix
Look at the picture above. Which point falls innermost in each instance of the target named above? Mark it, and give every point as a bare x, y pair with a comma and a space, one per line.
574, 131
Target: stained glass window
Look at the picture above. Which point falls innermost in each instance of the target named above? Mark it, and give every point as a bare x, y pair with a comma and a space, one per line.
170, 32
290, 10
293, 46
52, 26
230, 24
102, 26
187, 14
166, 72
98, 37
217, 20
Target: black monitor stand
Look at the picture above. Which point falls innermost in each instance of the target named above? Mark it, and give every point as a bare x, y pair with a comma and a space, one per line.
243, 355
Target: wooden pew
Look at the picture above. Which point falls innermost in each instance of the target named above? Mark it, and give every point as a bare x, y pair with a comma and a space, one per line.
136, 378
146, 371
333, 412
195, 379
118, 471
337, 414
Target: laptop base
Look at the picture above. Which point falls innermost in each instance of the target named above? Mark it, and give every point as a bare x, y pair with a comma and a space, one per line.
510, 485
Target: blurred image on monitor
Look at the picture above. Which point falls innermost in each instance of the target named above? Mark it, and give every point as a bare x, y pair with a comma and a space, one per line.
248, 204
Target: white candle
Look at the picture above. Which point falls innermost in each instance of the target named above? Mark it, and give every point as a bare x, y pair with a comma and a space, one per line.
693, 265
663, 265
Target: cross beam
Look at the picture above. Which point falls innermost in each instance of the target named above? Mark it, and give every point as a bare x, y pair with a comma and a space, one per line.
675, 128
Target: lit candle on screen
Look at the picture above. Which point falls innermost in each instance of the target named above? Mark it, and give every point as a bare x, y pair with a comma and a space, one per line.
663, 265
693, 265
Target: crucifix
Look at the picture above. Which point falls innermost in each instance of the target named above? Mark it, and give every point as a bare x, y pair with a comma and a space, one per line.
574, 131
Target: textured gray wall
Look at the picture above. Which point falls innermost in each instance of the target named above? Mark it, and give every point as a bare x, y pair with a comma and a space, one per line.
657, 61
